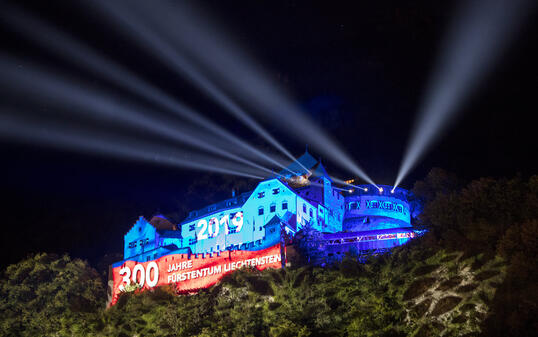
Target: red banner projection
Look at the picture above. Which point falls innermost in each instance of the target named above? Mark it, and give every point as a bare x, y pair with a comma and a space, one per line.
190, 274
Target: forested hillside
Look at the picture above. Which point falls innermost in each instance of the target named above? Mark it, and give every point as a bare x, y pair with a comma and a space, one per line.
473, 274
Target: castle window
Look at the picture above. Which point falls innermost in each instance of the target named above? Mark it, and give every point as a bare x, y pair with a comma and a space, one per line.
272, 208
192, 241
284, 205
311, 213
260, 211
304, 208
261, 195
276, 190
191, 227
272, 230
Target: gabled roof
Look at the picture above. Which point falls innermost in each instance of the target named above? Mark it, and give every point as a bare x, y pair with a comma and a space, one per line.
290, 219
320, 171
160, 222
274, 220
140, 223
305, 160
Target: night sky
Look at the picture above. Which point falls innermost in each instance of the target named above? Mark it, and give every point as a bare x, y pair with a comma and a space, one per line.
359, 68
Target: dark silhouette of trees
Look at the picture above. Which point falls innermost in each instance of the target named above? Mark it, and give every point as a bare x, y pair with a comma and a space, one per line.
47, 295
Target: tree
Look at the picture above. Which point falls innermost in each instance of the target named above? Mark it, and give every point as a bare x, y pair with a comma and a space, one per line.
310, 244
48, 295
438, 181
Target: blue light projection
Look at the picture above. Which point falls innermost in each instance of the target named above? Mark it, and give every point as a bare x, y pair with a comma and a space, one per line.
363, 217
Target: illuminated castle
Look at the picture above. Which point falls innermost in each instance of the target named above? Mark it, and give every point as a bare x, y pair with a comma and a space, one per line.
301, 195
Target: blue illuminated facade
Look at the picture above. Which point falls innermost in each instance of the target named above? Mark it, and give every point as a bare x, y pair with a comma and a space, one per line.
280, 206
372, 209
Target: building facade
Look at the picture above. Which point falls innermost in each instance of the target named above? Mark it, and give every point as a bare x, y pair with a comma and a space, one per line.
300, 195
253, 228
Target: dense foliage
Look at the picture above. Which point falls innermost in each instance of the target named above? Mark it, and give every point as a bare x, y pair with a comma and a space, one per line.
46, 294
472, 274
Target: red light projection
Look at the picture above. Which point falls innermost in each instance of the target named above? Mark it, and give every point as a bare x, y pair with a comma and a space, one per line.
190, 274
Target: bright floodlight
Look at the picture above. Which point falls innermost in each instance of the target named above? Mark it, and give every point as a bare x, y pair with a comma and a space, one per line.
78, 53
476, 39
224, 60
381, 190
143, 33
66, 136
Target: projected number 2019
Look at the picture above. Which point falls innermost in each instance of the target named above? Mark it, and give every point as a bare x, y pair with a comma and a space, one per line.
211, 229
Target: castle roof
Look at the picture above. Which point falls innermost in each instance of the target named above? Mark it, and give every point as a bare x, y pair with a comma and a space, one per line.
160, 222
320, 171
234, 202
298, 166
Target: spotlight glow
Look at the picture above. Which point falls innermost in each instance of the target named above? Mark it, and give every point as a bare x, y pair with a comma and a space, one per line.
79, 54
475, 41
42, 86
344, 182
136, 28
69, 137
183, 25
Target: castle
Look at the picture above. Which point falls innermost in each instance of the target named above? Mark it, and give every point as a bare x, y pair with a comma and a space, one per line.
302, 194
256, 228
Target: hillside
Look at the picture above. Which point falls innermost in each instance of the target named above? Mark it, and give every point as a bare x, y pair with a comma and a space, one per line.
472, 274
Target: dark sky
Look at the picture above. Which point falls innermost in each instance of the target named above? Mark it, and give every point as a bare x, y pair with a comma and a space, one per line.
359, 68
